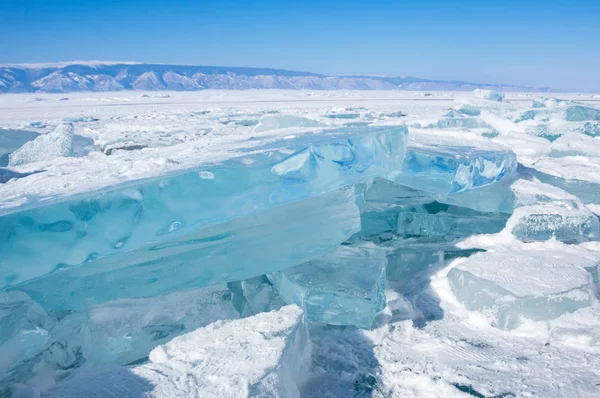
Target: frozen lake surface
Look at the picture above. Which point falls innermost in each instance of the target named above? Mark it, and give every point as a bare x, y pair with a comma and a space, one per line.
299, 243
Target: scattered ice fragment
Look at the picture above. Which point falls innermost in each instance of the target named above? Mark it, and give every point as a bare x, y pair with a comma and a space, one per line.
276, 122
439, 165
544, 102
540, 283
122, 146
563, 222
255, 295
393, 114
345, 287
343, 115
58, 143
488, 95
452, 223
574, 144
79, 119
562, 110
578, 175
473, 106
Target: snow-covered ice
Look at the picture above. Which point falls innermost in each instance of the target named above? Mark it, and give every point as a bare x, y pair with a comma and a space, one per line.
263, 356
537, 284
58, 143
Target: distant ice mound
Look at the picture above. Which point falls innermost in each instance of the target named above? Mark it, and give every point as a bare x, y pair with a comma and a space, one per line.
276, 122
488, 94
58, 143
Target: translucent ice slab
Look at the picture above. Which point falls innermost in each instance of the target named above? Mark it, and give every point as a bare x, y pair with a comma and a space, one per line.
450, 224
411, 263
394, 210
24, 329
438, 165
255, 295
267, 355
169, 216
565, 110
576, 145
126, 330
565, 223
540, 284
345, 287
241, 248
556, 128
577, 175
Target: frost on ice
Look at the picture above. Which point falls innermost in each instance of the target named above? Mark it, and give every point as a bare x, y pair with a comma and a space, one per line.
58, 143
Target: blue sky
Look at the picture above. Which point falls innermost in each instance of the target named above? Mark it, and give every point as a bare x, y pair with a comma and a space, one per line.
540, 43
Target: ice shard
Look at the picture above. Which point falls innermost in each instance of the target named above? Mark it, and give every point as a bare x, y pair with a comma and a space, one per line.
537, 284
345, 287
565, 223
24, 329
577, 175
438, 165
6, 175
255, 295
58, 143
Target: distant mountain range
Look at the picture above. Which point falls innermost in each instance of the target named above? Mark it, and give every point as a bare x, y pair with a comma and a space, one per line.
116, 76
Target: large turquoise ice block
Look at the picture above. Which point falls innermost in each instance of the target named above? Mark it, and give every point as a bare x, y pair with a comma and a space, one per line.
244, 247
435, 165
345, 287
392, 210
168, 218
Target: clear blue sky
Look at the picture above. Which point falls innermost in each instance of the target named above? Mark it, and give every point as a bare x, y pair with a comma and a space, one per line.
540, 43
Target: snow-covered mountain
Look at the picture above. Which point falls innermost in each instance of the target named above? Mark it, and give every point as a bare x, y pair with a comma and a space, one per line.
115, 76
